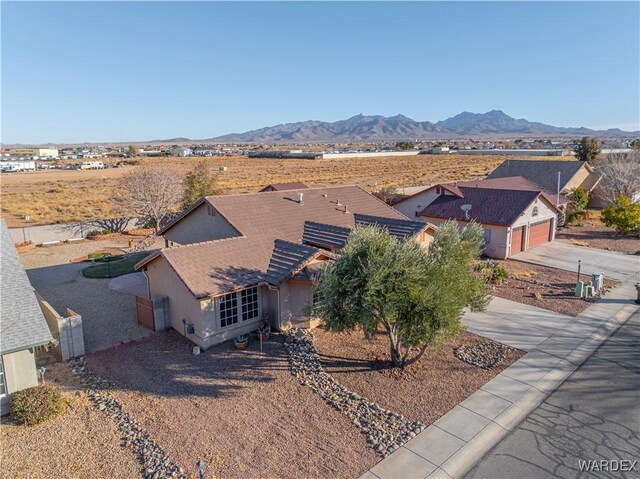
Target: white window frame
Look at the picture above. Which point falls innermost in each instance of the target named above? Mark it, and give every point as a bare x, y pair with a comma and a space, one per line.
240, 307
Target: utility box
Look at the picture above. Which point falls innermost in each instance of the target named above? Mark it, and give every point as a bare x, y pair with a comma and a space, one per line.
579, 289
597, 279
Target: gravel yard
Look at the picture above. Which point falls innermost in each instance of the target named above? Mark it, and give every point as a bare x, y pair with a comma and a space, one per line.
240, 411
425, 391
80, 443
247, 416
108, 316
600, 236
543, 287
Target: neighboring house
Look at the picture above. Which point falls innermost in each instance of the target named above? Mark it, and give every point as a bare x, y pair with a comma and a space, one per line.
22, 324
295, 185
573, 174
516, 214
232, 258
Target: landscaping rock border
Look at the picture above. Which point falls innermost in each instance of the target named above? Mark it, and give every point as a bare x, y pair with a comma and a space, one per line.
386, 431
155, 461
486, 355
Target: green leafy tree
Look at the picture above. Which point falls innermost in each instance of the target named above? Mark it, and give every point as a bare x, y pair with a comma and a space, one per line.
579, 198
416, 296
405, 145
199, 182
624, 216
587, 150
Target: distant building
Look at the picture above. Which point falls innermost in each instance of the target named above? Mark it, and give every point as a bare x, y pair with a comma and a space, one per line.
42, 152
294, 185
181, 151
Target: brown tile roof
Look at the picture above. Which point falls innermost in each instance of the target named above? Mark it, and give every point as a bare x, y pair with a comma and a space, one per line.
542, 172
269, 223
488, 206
512, 183
294, 185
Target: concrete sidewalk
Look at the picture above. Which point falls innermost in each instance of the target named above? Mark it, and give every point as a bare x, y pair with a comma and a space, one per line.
593, 416
456, 442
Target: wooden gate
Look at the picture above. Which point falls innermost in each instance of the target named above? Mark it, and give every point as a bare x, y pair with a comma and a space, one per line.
144, 310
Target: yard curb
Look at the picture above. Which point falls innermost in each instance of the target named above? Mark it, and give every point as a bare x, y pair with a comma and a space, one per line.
496, 409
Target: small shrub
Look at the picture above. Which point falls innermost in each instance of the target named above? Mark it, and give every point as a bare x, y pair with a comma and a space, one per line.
37, 404
624, 216
493, 270
94, 233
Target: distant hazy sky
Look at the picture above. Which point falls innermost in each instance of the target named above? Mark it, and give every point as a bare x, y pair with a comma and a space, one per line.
109, 71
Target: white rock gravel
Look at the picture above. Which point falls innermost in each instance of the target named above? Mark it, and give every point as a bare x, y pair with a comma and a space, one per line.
155, 461
385, 430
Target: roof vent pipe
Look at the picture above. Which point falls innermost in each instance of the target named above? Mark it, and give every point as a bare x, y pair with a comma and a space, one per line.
345, 209
300, 196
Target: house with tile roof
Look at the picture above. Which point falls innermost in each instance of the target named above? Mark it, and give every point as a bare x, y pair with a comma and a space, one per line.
230, 259
554, 176
22, 324
515, 213
294, 185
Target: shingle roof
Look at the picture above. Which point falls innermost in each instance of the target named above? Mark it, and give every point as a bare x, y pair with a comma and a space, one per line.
542, 172
401, 229
490, 206
214, 267
288, 258
512, 183
324, 235
294, 185
22, 324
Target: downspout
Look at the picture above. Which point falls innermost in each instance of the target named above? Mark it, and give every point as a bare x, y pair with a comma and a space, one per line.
144, 271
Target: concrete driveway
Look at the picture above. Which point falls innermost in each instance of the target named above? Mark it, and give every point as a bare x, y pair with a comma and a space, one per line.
515, 324
562, 255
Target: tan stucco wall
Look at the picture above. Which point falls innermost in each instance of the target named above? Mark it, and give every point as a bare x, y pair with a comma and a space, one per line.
163, 281
295, 303
417, 203
19, 373
199, 226
577, 180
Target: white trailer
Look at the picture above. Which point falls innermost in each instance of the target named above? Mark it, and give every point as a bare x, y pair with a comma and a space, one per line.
11, 166
92, 165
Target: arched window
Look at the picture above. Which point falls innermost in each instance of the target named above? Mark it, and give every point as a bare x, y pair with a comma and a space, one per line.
535, 211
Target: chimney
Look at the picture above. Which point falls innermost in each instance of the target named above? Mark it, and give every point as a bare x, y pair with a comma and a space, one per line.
300, 196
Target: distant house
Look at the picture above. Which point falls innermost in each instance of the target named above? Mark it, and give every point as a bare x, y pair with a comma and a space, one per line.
572, 174
232, 258
515, 213
22, 324
294, 185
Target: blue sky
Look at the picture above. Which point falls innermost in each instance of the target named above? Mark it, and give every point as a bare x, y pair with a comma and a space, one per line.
108, 71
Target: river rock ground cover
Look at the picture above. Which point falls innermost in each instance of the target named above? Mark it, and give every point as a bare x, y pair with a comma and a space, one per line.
424, 391
242, 412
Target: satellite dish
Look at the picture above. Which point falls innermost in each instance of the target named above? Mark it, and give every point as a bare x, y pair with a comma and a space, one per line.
466, 209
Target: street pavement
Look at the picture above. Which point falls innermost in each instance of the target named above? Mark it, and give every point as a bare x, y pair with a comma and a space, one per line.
593, 416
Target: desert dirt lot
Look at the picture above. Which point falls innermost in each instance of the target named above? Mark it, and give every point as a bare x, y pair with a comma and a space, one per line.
247, 416
52, 196
600, 236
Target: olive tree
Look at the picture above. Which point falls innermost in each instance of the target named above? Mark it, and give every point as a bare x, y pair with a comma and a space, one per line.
416, 296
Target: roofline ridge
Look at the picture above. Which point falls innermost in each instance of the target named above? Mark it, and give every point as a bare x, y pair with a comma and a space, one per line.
281, 192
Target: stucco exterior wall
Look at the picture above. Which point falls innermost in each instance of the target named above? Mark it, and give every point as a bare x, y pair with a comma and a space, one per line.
200, 226
19, 373
296, 299
581, 175
163, 281
498, 237
544, 212
417, 203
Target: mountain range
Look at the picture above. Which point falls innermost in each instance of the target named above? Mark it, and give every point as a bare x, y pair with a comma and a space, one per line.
363, 128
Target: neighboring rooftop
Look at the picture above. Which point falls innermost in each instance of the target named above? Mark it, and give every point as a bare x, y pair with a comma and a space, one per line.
542, 172
22, 324
488, 206
294, 185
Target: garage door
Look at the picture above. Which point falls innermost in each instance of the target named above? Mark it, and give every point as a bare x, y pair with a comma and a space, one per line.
539, 233
516, 239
